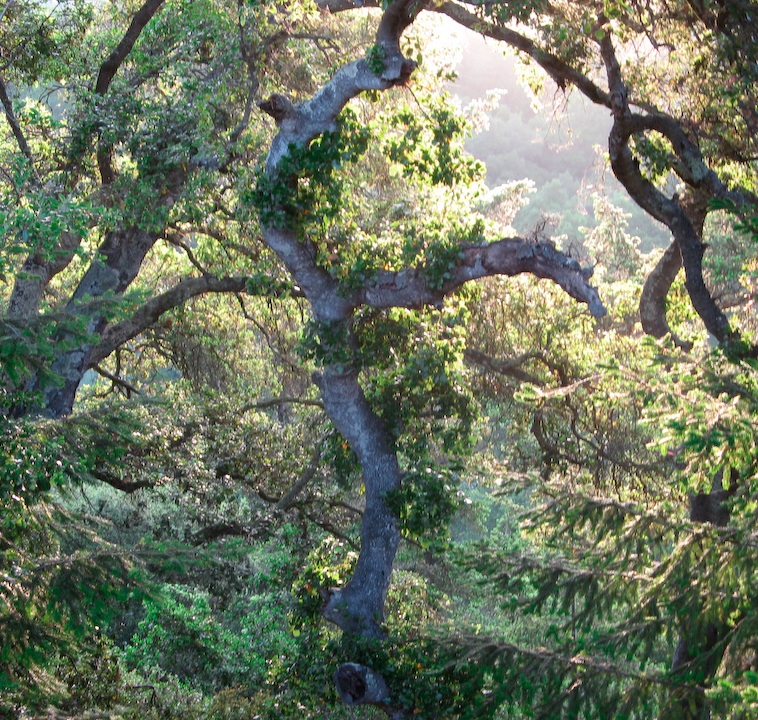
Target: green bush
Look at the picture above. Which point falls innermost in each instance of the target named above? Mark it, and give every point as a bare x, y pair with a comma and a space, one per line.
186, 637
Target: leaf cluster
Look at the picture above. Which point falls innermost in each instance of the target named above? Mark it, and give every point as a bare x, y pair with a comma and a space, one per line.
430, 148
306, 192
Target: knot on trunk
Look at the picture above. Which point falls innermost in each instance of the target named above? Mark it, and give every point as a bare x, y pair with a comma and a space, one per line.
398, 69
278, 107
357, 684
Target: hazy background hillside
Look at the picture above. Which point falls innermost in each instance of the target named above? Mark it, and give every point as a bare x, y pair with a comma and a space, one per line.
559, 144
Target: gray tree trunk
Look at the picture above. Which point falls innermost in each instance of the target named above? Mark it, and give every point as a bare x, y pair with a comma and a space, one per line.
120, 258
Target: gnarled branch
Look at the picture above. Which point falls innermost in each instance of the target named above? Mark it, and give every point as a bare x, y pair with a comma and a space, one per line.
654, 294
412, 288
654, 202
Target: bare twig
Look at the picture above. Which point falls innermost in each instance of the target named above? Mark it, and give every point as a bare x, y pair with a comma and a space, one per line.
116, 380
272, 402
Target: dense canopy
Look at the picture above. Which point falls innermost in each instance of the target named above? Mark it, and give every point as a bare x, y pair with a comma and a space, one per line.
353, 439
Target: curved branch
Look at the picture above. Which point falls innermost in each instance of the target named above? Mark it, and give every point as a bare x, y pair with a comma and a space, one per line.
654, 202
218, 530
560, 71
412, 288
114, 482
144, 317
358, 607
654, 294
38, 271
691, 167
659, 280
301, 123
395, 20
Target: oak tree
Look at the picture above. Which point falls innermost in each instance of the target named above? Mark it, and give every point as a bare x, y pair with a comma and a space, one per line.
155, 142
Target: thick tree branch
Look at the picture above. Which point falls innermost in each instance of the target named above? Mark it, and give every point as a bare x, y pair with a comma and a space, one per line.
300, 124
691, 168
144, 317
560, 71
412, 288
114, 482
654, 294
37, 272
309, 119
110, 67
113, 62
120, 257
395, 20
359, 606
659, 280
358, 684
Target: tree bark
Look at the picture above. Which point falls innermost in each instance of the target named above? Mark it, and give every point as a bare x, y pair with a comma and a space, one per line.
122, 254
694, 203
654, 294
358, 684
36, 273
410, 288
359, 606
